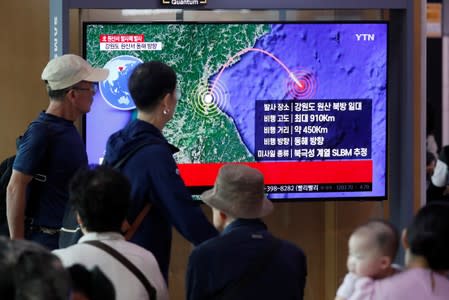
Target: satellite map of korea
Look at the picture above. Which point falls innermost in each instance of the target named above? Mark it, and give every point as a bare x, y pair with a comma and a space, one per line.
225, 69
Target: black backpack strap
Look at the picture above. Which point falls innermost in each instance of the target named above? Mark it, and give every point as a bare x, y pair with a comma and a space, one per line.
5, 175
129, 265
42, 176
231, 290
6, 171
145, 210
122, 161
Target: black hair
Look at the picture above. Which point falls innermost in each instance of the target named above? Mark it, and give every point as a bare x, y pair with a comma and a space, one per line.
93, 284
430, 157
29, 271
7, 264
444, 154
40, 276
56, 94
150, 82
101, 196
428, 235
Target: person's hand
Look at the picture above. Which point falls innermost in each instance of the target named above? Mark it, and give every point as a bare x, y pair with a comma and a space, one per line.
125, 226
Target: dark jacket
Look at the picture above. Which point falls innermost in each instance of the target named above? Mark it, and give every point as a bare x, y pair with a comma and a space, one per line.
216, 264
155, 178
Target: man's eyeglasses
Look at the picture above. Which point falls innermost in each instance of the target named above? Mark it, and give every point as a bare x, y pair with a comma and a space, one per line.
93, 88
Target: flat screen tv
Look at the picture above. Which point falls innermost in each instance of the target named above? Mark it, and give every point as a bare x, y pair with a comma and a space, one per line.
306, 103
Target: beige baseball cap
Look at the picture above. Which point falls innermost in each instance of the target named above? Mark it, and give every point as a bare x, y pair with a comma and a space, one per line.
66, 70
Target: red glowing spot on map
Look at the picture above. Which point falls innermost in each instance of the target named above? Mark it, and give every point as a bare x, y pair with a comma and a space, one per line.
301, 84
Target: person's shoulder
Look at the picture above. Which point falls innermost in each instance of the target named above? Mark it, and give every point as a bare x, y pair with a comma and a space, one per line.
209, 247
207, 255
35, 131
157, 148
132, 250
416, 283
413, 275
69, 249
292, 248
213, 243
140, 256
47, 122
407, 284
71, 255
158, 158
401, 280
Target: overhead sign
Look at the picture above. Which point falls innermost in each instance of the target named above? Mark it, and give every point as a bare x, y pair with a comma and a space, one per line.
183, 2
56, 30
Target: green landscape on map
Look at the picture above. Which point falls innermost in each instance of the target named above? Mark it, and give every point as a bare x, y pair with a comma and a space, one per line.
196, 52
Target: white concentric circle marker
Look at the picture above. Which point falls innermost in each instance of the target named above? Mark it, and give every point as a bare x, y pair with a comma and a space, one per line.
209, 103
208, 98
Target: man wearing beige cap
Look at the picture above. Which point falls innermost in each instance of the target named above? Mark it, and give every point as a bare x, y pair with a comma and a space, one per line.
50, 152
245, 261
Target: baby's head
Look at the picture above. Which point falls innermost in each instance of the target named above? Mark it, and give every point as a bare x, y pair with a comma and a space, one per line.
372, 248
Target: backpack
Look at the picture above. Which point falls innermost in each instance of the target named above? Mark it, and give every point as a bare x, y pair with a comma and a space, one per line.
5, 175
71, 232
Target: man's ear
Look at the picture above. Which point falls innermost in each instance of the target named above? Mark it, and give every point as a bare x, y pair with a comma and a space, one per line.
223, 216
70, 94
71, 97
166, 101
404, 239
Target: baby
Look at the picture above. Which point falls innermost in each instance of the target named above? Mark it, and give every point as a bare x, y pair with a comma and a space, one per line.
372, 248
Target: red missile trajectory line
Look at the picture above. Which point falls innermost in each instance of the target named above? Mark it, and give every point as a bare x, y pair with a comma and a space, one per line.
230, 60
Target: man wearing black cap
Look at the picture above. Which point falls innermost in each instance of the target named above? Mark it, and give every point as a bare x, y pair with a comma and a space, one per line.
50, 152
245, 261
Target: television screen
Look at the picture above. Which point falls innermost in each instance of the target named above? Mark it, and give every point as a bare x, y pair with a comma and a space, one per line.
305, 103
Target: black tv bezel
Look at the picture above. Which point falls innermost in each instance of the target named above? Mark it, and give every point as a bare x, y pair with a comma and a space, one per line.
196, 190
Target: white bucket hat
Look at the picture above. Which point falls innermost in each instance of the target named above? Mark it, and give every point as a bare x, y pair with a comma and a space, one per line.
66, 70
239, 192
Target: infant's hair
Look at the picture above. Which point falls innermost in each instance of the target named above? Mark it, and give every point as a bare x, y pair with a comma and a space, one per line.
386, 235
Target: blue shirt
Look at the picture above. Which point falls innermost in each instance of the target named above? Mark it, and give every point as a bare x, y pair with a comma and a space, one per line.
51, 150
154, 178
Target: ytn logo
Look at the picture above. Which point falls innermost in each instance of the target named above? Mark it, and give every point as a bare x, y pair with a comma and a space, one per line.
367, 37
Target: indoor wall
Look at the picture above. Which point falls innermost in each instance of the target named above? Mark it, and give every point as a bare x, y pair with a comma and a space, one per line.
24, 51
320, 228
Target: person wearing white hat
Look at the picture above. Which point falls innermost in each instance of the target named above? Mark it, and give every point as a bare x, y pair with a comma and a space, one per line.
50, 152
245, 261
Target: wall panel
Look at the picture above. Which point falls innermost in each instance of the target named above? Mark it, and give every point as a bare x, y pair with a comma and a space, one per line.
24, 51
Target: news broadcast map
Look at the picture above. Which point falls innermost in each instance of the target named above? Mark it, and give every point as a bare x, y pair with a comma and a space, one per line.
195, 61
228, 74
